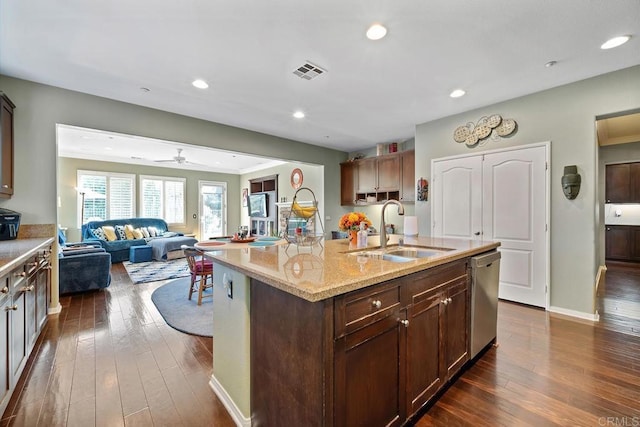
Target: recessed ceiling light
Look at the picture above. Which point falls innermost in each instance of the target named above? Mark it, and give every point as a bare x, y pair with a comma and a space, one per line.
200, 84
457, 93
298, 115
550, 64
376, 32
615, 42
145, 89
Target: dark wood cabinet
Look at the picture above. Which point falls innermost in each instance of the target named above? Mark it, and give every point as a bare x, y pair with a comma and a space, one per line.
375, 180
622, 183
347, 184
437, 330
622, 242
407, 168
371, 357
6, 146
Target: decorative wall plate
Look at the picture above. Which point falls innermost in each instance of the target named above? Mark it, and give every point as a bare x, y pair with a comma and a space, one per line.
506, 127
461, 133
296, 178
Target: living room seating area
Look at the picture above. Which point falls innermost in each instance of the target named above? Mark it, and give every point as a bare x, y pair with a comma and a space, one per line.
117, 236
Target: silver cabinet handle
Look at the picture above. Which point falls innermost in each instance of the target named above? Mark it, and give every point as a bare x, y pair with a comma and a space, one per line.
5, 290
445, 302
27, 289
23, 274
11, 307
449, 300
405, 323
5, 186
376, 304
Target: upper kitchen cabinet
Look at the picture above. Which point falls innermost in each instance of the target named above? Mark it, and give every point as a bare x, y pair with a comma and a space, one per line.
378, 179
622, 183
6, 146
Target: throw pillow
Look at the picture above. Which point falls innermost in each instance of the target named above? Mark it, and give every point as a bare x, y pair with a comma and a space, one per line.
145, 232
99, 233
152, 231
120, 232
128, 231
169, 234
109, 233
137, 233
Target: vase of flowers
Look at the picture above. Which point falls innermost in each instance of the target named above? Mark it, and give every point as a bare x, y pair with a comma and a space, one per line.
350, 222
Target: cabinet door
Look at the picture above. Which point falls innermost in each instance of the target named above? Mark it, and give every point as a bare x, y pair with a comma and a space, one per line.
618, 183
18, 339
31, 325
456, 326
368, 378
389, 173
5, 377
634, 185
366, 175
42, 295
6, 147
407, 171
618, 242
424, 349
347, 184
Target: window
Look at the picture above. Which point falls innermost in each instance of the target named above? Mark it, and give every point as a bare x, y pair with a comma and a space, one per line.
105, 195
163, 197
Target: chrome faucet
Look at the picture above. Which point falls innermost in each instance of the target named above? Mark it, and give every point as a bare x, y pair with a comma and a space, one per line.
383, 226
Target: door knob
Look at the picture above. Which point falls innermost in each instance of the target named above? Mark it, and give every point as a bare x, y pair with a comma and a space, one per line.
376, 304
477, 233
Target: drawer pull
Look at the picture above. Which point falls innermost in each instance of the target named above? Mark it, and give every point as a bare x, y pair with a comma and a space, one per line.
5, 185
445, 301
27, 289
23, 274
376, 304
11, 307
405, 323
5, 290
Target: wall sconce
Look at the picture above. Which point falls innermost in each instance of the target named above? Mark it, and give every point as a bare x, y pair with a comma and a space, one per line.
571, 182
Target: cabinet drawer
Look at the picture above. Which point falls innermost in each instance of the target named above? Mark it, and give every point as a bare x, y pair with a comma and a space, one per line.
361, 308
421, 283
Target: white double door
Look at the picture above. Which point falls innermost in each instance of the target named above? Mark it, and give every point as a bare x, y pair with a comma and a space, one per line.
499, 196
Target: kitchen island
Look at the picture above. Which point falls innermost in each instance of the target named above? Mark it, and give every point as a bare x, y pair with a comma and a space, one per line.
326, 336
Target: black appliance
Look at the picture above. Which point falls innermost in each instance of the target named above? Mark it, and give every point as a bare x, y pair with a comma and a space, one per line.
9, 224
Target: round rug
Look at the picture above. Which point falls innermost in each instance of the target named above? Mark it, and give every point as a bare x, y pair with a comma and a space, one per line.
172, 302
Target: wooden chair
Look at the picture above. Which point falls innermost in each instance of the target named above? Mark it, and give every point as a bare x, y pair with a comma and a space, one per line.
201, 272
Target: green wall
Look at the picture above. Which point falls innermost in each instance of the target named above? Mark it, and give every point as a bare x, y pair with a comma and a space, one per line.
67, 175
565, 116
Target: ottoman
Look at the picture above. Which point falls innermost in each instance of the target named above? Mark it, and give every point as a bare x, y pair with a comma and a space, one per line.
140, 253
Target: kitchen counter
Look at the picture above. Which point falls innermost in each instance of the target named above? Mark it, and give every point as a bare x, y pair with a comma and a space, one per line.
15, 252
320, 272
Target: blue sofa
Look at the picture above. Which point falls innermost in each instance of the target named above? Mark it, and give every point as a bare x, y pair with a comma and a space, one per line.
119, 249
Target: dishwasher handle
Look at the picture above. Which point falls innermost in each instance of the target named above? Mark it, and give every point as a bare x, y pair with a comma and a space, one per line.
485, 260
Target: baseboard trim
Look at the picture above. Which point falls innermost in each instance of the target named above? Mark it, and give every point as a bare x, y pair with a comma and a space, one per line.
234, 411
592, 317
55, 310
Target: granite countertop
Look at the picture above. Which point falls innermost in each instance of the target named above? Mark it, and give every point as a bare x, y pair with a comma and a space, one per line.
15, 252
321, 272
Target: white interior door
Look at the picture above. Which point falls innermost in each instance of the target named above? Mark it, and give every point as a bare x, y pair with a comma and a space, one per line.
212, 209
499, 196
514, 212
457, 198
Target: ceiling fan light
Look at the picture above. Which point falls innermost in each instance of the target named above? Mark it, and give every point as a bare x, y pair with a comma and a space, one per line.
298, 115
615, 42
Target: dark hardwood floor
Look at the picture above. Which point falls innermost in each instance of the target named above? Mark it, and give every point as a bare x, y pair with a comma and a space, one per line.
109, 359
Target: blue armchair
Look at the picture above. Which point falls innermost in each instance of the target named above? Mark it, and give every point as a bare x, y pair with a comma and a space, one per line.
82, 267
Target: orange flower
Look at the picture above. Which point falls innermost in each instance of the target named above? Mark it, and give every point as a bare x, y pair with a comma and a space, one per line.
352, 220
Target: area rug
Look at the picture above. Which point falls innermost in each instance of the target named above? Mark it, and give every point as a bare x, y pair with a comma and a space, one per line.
143, 272
182, 314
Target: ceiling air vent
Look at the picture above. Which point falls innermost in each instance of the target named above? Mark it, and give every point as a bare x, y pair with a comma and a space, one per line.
308, 71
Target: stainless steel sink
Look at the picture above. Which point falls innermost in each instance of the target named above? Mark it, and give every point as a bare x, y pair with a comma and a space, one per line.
401, 253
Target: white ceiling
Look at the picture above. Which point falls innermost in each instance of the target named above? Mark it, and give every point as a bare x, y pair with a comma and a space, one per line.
373, 91
82, 143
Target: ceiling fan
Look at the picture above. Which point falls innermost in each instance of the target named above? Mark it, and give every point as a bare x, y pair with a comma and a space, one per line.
179, 159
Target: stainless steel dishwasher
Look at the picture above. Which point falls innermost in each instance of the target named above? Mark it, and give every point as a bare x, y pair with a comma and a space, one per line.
485, 272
